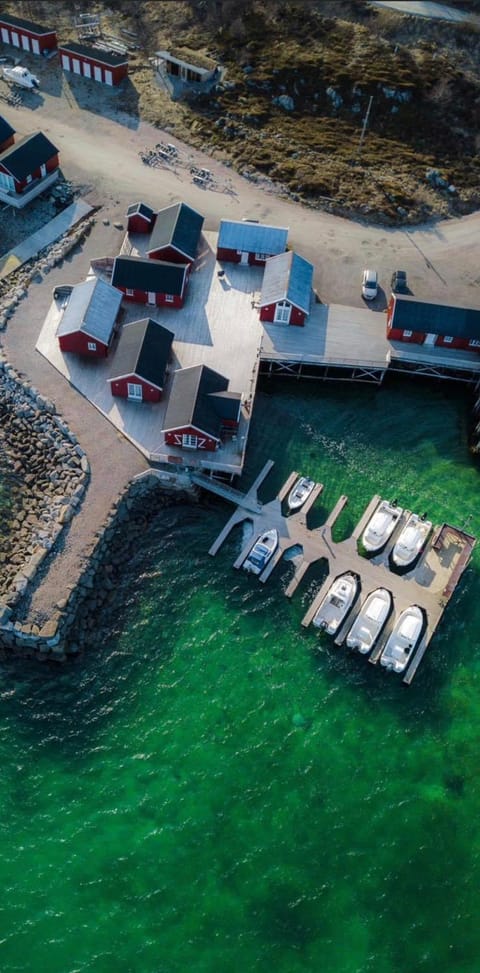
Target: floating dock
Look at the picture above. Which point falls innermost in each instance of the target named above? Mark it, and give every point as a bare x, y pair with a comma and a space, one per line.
429, 584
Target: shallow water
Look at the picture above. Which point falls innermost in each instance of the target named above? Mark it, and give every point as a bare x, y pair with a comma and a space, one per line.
213, 787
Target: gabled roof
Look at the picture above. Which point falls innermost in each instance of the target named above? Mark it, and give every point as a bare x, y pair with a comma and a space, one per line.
25, 24
252, 237
194, 400
177, 226
92, 308
143, 350
141, 209
157, 276
30, 152
455, 321
287, 277
112, 58
6, 129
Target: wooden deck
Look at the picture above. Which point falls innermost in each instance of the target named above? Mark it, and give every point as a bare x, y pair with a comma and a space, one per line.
429, 584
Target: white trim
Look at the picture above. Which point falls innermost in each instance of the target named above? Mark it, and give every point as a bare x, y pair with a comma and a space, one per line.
134, 392
283, 311
91, 345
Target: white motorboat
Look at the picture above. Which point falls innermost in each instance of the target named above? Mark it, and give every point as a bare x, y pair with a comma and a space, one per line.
370, 620
411, 540
381, 525
337, 603
403, 639
262, 551
299, 493
21, 76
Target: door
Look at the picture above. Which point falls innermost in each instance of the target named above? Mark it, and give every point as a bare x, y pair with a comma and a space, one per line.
76, 65
35, 46
151, 297
97, 72
87, 69
25, 42
282, 312
244, 257
430, 339
5, 36
15, 39
43, 171
108, 77
65, 62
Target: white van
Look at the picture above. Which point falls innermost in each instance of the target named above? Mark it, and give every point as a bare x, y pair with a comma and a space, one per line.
369, 284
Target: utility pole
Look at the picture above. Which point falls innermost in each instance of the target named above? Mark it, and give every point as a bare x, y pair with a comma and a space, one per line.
364, 127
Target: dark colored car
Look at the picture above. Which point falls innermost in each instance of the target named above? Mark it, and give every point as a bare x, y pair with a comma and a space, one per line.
62, 290
399, 282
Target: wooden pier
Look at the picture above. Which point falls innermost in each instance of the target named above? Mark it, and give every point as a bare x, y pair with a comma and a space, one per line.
429, 584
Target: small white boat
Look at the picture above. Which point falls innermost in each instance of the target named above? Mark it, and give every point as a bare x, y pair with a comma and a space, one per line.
370, 621
21, 76
403, 639
299, 493
411, 540
381, 525
262, 551
337, 603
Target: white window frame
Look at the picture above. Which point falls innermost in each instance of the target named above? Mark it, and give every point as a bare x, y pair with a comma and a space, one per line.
262, 256
134, 391
447, 339
169, 298
407, 334
92, 345
128, 292
283, 310
189, 441
474, 343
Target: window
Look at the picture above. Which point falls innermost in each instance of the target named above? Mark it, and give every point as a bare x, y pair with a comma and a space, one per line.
129, 292
407, 334
134, 391
474, 343
189, 442
261, 256
92, 345
282, 312
168, 298
447, 339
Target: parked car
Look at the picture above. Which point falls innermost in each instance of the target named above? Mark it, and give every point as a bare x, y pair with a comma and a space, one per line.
369, 284
62, 290
399, 282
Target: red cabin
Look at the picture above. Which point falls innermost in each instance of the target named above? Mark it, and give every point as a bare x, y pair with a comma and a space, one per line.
286, 289
108, 67
249, 242
87, 326
27, 35
151, 281
176, 234
140, 363
438, 325
7, 134
140, 218
200, 409
28, 161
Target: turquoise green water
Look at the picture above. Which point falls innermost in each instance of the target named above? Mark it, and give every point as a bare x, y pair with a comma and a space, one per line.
213, 787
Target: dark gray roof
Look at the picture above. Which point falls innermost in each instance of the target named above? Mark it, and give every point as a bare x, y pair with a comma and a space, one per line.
192, 400
252, 237
177, 226
287, 277
92, 308
26, 24
142, 210
140, 273
143, 350
111, 58
455, 321
6, 129
30, 152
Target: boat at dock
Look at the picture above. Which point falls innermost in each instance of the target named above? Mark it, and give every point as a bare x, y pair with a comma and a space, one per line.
337, 603
381, 525
403, 639
300, 492
370, 620
411, 541
261, 552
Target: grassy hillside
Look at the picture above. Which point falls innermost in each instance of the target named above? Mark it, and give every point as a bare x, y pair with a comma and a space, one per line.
326, 62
